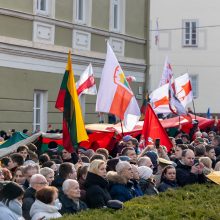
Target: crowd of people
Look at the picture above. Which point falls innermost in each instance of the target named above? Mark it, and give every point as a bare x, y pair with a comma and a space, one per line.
37, 186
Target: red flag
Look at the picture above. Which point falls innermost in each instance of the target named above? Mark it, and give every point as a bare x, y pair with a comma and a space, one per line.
153, 129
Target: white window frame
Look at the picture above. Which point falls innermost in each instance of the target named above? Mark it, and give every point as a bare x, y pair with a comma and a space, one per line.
86, 11
42, 125
190, 39
49, 11
195, 83
120, 4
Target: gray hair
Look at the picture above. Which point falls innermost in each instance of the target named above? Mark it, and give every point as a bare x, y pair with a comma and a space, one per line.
30, 167
37, 178
67, 184
143, 160
45, 171
121, 165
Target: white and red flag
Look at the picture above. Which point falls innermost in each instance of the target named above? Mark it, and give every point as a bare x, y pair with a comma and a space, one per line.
86, 83
167, 73
115, 95
159, 98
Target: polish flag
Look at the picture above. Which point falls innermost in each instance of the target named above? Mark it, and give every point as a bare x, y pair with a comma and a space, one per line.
115, 95
167, 73
159, 98
86, 83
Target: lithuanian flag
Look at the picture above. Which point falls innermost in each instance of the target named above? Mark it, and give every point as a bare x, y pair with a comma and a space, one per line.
67, 102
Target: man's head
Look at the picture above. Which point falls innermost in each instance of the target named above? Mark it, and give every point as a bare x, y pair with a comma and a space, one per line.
124, 169
188, 157
199, 150
145, 161
66, 155
38, 182
185, 138
30, 170
216, 141
15, 160
71, 189
23, 150
211, 135
130, 152
210, 152
67, 171
179, 149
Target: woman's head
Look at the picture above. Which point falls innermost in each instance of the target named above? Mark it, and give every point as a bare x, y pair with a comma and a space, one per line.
206, 161
47, 195
48, 173
82, 172
98, 167
19, 176
10, 192
169, 173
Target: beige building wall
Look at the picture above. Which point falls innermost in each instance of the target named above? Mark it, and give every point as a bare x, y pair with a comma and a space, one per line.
33, 55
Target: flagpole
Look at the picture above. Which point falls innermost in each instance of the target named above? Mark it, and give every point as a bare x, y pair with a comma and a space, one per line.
122, 131
194, 108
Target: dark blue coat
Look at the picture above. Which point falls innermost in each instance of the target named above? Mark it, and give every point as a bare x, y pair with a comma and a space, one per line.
167, 184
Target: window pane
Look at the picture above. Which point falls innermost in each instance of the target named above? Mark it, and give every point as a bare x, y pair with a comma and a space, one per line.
80, 9
37, 116
193, 36
187, 41
37, 128
37, 100
115, 16
187, 36
43, 5
194, 42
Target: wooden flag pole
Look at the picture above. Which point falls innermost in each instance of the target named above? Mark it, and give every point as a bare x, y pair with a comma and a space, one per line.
194, 108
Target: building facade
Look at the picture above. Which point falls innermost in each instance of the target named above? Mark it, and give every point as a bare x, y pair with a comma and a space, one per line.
189, 35
35, 36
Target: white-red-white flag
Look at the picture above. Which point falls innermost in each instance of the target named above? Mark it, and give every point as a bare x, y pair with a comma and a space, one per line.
167, 73
86, 83
175, 105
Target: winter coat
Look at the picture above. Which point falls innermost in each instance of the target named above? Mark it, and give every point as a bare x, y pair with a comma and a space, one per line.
137, 188
167, 184
40, 210
28, 200
119, 188
184, 175
148, 187
69, 206
11, 212
58, 182
97, 194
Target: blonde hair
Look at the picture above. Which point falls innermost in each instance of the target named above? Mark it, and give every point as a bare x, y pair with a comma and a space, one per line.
45, 171
206, 161
95, 165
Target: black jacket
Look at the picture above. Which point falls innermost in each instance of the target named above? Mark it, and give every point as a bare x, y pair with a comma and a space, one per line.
185, 177
58, 182
167, 184
28, 200
69, 206
97, 194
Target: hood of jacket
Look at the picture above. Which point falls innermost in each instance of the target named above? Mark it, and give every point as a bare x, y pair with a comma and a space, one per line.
94, 179
39, 207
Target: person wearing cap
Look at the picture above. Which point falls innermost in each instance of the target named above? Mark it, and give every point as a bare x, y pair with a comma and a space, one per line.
146, 181
168, 179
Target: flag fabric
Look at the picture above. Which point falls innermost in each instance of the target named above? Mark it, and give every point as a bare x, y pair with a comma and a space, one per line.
159, 98
86, 83
152, 129
167, 73
157, 33
115, 95
67, 102
175, 105
144, 105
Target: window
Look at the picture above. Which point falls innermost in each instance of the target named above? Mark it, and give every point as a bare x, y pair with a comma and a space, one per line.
44, 7
194, 84
117, 15
40, 111
190, 33
82, 12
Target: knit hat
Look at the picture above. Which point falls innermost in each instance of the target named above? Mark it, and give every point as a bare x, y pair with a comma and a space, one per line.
145, 172
127, 138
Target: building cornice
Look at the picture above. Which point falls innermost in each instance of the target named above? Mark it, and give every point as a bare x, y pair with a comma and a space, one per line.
66, 24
